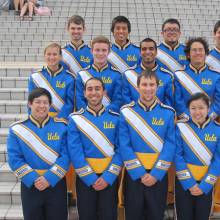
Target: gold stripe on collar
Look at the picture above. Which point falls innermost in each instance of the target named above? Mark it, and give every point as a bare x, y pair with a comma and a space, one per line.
170, 48
203, 125
55, 73
90, 110
77, 48
124, 46
150, 108
38, 124
100, 70
196, 70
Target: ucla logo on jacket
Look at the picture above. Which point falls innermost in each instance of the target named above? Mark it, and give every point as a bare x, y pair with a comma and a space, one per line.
182, 57
84, 59
210, 137
106, 80
108, 125
131, 57
60, 84
156, 121
53, 136
206, 81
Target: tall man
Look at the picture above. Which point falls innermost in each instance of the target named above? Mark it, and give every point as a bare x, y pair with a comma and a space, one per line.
170, 52
76, 54
148, 54
93, 147
37, 153
123, 53
147, 146
102, 69
213, 59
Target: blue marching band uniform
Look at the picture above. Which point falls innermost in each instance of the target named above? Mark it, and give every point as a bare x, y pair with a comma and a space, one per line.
189, 81
36, 150
113, 86
122, 58
197, 161
75, 59
61, 86
94, 152
140, 155
171, 59
165, 88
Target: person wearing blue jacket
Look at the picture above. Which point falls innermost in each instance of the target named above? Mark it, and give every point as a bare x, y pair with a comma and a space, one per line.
93, 148
147, 146
148, 52
100, 68
57, 80
197, 161
37, 154
196, 77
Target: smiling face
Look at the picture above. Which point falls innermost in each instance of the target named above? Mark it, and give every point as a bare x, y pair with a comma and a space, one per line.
121, 33
100, 53
197, 54
52, 57
40, 107
148, 52
199, 111
76, 31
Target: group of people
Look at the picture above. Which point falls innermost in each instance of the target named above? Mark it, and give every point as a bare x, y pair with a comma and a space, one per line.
121, 114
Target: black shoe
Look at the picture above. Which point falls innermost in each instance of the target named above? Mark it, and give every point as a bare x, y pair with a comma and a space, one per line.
17, 12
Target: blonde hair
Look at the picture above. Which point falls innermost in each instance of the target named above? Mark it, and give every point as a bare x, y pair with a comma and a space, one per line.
52, 45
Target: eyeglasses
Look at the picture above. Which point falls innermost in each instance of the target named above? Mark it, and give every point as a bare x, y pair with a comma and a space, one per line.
175, 30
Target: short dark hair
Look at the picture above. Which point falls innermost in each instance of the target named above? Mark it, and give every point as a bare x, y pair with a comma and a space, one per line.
198, 96
120, 19
171, 21
201, 40
36, 93
149, 40
76, 19
94, 78
147, 74
217, 26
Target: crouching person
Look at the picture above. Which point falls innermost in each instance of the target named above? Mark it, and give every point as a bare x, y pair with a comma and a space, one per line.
37, 153
93, 148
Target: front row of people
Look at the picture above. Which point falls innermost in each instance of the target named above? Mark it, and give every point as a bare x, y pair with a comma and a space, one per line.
99, 142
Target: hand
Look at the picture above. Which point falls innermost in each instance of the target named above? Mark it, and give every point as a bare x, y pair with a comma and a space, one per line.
195, 190
148, 180
100, 184
41, 183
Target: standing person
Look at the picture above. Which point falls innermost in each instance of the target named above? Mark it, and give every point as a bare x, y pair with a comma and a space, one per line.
197, 161
76, 54
100, 68
37, 154
148, 51
93, 148
123, 53
213, 59
147, 146
18, 4
171, 53
58, 81
196, 77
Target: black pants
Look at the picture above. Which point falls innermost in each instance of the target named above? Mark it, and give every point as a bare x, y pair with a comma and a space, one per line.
50, 204
189, 207
96, 205
142, 202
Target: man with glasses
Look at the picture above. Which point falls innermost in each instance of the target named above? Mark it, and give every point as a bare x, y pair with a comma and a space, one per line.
171, 53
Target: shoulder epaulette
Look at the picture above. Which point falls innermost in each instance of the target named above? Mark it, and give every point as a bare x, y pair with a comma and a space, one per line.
128, 105
114, 113
113, 68
20, 121
167, 107
71, 73
167, 71
182, 120
89, 44
132, 67
56, 119
78, 112
87, 67
183, 68
213, 69
136, 44
217, 123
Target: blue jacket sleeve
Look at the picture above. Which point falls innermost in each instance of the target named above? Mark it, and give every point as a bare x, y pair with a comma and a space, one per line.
211, 176
114, 169
116, 97
68, 106
134, 167
183, 174
169, 93
61, 165
17, 161
75, 148
126, 92
80, 98
166, 155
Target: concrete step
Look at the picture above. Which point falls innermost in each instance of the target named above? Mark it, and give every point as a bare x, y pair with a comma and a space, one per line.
7, 119
13, 82
13, 93
6, 175
13, 106
10, 193
3, 153
11, 212
3, 135
15, 72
